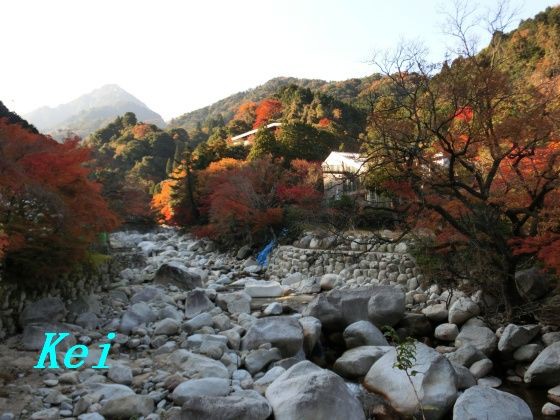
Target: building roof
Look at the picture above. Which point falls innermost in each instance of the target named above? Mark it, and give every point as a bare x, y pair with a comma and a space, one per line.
248, 133
344, 162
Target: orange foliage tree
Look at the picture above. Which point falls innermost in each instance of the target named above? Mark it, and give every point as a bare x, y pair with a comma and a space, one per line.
473, 155
50, 212
240, 201
267, 110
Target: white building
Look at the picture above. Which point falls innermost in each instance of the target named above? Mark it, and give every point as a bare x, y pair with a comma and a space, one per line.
244, 138
342, 173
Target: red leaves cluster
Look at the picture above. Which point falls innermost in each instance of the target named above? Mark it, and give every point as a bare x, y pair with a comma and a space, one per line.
267, 110
50, 211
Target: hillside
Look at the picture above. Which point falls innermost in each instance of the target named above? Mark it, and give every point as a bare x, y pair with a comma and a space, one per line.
351, 91
91, 111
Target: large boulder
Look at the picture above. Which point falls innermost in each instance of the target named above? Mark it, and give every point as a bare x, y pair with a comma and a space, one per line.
357, 361
50, 309
307, 392
515, 336
363, 333
462, 310
283, 332
434, 383
481, 338
176, 274
248, 405
386, 306
545, 369
339, 308
534, 283
482, 402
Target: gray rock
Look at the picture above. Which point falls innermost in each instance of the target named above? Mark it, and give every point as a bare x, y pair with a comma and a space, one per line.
307, 392
437, 312
550, 409
357, 361
482, 338
291, 279
33, 337
465, 355
270, 376
167, 326
88, 320
147, 294
534, 283
196, 303
490, 381
462, 310
415, 325
107, 392
258, 359
515, 336
363, 333
138, 314
128, 406
85, 303
465, 378
481, 368
239, 405
46, 414
197, 366
50, 309
199, 321
275, 308
91, 416
550, 338
329, 281
480, 402
311, 332
120, 374
243, 252
527, 353
545, 369
386, 306
282, 332
178, 275
446, 332
215, 387
435, 382
235, 303
263, 288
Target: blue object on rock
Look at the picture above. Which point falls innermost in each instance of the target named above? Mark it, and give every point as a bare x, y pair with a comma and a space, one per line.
262, 258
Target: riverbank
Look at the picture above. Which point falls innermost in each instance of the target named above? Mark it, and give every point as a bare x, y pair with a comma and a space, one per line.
203, 335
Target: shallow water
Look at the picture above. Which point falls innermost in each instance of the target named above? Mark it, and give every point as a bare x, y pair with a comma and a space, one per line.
535, 398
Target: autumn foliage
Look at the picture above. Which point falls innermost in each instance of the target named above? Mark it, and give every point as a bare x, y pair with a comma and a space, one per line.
241, 201
267, 110
50, 211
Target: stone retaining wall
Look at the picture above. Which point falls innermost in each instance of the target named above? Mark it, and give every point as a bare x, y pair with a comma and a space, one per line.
380, 265
84, 281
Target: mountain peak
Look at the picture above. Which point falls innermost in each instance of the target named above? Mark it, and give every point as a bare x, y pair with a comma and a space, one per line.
91, 111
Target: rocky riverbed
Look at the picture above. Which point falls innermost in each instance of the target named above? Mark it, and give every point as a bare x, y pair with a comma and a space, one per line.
206, 335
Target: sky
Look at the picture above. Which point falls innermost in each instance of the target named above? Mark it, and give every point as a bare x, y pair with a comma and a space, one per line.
180, 55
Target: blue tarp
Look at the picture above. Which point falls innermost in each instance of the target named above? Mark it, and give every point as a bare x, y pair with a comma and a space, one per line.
262, 258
